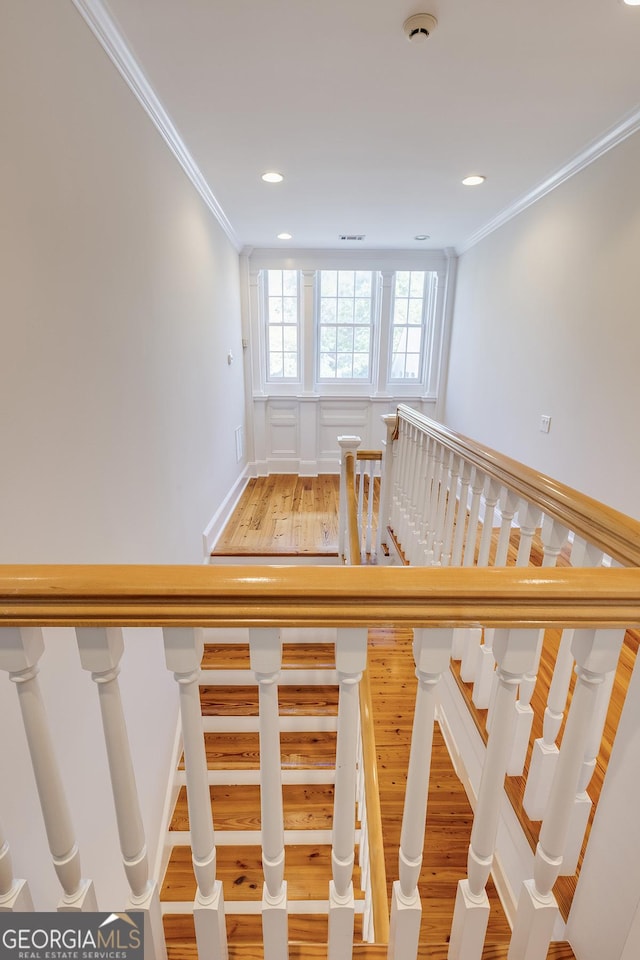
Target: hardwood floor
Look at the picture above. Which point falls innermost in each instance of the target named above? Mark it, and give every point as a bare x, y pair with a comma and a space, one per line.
284, 515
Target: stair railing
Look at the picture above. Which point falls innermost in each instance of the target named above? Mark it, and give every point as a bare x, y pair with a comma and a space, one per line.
598, 604
443, 496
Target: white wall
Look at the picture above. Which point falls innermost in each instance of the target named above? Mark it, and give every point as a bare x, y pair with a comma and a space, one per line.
604, 919
119, 300
546, 322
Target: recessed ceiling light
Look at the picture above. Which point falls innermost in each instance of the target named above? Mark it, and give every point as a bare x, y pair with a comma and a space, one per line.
475, 179
632, 3
284, 236
272, 177
421, 236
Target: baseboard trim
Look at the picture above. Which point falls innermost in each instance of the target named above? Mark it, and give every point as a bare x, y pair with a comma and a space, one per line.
304, 468
222, 514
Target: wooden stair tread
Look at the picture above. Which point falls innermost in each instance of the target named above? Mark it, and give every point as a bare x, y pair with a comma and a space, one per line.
242, 700
235, 656
246, 929
306, 806
241, 751
186, 950
307, 871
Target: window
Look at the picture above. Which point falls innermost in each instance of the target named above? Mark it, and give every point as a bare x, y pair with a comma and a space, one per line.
345, 324
281, 294
349, 325
413, 304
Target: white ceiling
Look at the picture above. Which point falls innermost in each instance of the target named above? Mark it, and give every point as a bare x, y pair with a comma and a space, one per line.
372, 133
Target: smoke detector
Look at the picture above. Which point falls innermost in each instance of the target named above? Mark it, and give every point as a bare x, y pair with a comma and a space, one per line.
419, 27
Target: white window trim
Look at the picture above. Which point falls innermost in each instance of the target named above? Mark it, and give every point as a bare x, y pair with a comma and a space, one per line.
382, 263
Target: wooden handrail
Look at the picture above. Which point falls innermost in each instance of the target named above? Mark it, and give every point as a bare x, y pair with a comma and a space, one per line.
317, 596
369, 455
379, 901
613, 532
352, 512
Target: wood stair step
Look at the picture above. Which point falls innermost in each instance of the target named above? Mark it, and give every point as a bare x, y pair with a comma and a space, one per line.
307, 872
186, 950
246, 930
235, 656
306, 806
241, 751
242, 700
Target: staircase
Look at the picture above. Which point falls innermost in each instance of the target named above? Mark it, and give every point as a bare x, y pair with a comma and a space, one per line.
308, 706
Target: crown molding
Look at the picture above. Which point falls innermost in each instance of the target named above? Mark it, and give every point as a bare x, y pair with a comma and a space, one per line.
104, 29
611, 139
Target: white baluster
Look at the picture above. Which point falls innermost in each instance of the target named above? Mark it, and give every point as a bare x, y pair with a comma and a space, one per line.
514, 651
183, 653
596, 654
360, 472
417, 504
484, 687
443, 501
455, 466
266, 660
554, 536
472, 646
425, 480
347, 444
490, 495
351, 660
436, 503
545, 752
386, 481
508, 503
461, 516
529, 518
431, 649
372, 469
582, 803
397, 453
100, 653
477, 486
14, 894
20, 651
408, 483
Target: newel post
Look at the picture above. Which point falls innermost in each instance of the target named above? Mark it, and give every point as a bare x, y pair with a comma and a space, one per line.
347, 445
432, 651
20, 652
184, 647
100, 653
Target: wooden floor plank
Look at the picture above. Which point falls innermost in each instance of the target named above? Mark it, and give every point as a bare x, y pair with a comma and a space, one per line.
306, 807
241, 700
241, 751
307, 872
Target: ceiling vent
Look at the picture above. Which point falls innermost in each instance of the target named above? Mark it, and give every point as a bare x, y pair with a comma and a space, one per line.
352, 236
419, 27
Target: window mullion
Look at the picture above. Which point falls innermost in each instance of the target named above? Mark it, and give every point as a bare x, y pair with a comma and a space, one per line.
308, 331
384, 333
